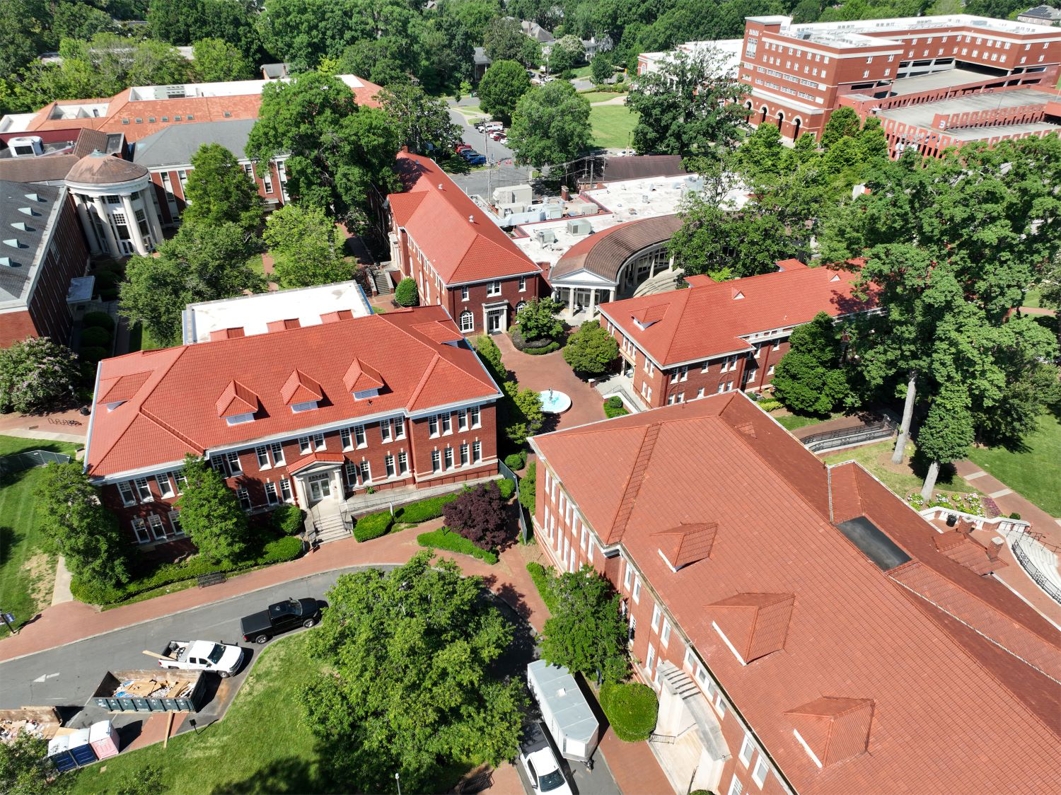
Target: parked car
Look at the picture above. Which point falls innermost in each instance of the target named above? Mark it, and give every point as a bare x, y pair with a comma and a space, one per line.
200, 655
497, 135
469, 152
540, 763
477, 160
463, 147
280, 617
503, 140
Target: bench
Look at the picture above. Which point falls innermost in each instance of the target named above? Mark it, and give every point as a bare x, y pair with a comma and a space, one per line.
211, 578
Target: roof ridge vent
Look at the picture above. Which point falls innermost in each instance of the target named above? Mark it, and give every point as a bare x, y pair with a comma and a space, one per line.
626, 506
14, 243
29, 211
22, 226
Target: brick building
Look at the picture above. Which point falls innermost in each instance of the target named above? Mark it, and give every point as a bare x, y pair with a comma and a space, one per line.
797, 75
307, 415
805, 629
461, 260
42, 251
721, 336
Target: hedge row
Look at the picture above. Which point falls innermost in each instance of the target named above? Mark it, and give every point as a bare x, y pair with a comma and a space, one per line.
373, 525
631, 710
543, 581
288, 520
424, 510
613, 407
552, 346
444, 538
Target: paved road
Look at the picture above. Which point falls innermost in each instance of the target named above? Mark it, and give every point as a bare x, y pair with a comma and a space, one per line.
482, 181
67, 675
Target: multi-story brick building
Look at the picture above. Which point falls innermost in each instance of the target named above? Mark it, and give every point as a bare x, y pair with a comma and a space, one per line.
805, 629
459, 257
721, 336
307, 415
797, 75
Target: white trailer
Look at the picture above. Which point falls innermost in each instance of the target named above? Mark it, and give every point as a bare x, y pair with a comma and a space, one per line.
565, 711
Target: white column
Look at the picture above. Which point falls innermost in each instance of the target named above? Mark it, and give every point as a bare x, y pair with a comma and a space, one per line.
133, 226
300, 491
592, 303
86, 224
148, 199
338, 492
112, 242
570, 299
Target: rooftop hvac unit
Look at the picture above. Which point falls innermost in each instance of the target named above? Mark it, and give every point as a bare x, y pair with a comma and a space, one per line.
578, 227
503, 196
554, 212
545, 236
26, 146
522, 193
511, 207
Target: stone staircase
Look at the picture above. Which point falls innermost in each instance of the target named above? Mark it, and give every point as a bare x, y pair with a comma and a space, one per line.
330, 527
381, 280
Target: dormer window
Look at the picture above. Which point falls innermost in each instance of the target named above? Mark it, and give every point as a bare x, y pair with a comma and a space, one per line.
365, 394
308, 405
112, 406
240, 419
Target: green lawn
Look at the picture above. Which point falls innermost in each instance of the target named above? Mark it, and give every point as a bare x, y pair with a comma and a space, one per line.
140, 339
600, 96
262, 745
900, 478
26, 573
612, 125
794, 421
1033, 298
1035, 473
583, 71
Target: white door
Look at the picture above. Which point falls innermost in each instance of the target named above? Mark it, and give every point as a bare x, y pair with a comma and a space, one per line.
494, 320
319, 488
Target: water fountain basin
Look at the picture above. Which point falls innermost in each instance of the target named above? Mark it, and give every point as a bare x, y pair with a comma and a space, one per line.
554, 402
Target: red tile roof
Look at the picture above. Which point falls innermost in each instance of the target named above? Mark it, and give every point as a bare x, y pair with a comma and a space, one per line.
954, 665
687, 543
455, 235
185, 392
712, 318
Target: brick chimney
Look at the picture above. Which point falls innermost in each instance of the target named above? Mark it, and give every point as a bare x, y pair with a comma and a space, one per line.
994, 548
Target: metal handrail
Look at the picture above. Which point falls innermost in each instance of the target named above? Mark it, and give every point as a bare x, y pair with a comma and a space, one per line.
815, 441
1033, 571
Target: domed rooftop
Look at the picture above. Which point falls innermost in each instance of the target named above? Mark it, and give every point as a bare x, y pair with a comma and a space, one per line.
102, 169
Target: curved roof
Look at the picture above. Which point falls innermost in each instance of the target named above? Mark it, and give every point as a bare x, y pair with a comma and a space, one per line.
102, 169
604, 252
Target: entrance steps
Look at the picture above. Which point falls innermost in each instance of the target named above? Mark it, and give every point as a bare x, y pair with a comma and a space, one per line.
330, 527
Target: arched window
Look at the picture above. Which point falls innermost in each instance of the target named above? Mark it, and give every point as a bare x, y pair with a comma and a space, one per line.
520, 306
467, 322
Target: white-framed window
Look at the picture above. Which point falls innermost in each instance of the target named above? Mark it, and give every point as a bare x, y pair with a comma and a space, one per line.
751, 376
462, 420
464, 454
165, 488
633, 629
403, 462
158, 529
447, 457
345, 439
777, 345
432, 425
664, 634
436, 460
683, 373
628, 577
762, 769
318, 442
656, 615
447, 424
689, 660
267, 179
143, 490
244, 497
747, 749
494, 288
234, 467
523, 284
271, 495
140, 529
467, 321
650, 658
305, 445
473, 412
637, 589
465, 295
180, 480
721, 387
388, 462
262, 453
366, 472
359, 436
771, 370
583, 536
277, 450
735, 786
477, 451
351, 469
285, 490
385, 430
174, 517
399, 427
700, 392
125, 489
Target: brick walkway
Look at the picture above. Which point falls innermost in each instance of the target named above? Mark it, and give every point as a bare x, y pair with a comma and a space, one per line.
552, 372
57, 425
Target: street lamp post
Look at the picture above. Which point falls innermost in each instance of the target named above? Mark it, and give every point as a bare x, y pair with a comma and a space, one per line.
398, 781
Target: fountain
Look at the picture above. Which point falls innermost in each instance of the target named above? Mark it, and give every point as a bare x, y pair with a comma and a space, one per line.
554, 402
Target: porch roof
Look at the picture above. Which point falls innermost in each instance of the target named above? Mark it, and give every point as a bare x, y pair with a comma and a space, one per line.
316, 458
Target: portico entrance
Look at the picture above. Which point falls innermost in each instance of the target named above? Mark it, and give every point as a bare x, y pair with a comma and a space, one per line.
495, 318
318, 479
320, 487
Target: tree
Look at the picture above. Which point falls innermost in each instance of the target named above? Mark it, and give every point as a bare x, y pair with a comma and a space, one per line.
501, 88
591, 350
306, 247
728, 243
25, 769
538, 319
565, 53
339, 153
211, 514
808, 379
527, 485
217, 61
405, 293
201, 263
550, 125
586, 632
479, 516
410, 683
843, 123
79, 528
946, 434
423, 122
219, 191
503, 40
761, 158
36, 374
521, 412
689, 106
601, 68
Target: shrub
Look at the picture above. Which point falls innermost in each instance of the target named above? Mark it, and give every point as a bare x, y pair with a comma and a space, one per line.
106, 279
95, 593
443, 538
527, 485
424, 510
96, 337
507, 488
613, 407
769, 404
631, 710
98, 320
288, 520
541, 351
591, 350
373, 525
94, 354
1014, 515
405, 293
543, 579
282, 549
516, 461
479, 516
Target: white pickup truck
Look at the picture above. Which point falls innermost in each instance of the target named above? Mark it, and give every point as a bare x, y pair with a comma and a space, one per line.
200, 655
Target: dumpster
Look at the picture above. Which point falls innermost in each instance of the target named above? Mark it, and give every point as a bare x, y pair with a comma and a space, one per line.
59, 753
155, 690
81, 749
39, 721
565, 710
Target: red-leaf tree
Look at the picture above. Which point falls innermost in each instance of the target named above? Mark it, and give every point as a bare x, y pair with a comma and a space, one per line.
479, 516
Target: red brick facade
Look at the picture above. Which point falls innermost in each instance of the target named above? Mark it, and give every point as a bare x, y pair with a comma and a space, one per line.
169, 190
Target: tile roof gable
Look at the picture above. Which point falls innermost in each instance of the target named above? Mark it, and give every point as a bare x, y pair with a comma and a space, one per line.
687, 543
835, 728
236, 399
756, 624
300, 388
